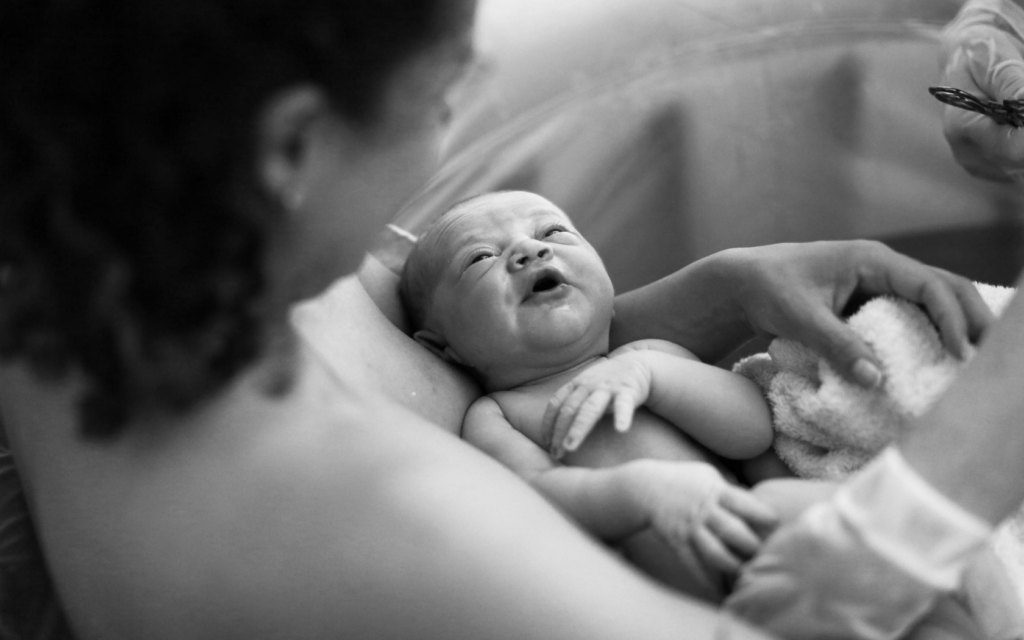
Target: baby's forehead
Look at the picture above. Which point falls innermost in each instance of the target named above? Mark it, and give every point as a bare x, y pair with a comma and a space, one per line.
488, 215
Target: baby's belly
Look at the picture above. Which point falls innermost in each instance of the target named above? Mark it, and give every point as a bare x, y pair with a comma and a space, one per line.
651, 436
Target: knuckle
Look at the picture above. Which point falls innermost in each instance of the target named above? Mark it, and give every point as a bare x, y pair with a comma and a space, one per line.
872, 245
932, 292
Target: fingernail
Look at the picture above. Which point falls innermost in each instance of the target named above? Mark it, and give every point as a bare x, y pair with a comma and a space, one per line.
966, 351
867, 374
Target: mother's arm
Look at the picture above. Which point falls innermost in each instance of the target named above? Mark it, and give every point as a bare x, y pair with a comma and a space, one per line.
795, 291
712, 306
328, 514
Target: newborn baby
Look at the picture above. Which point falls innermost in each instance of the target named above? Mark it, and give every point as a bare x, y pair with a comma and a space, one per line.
505, 286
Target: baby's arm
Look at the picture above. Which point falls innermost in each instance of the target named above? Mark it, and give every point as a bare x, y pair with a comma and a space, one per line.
688, 504
722, 410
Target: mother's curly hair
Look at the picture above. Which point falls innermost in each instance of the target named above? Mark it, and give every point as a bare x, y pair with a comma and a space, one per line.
133, 226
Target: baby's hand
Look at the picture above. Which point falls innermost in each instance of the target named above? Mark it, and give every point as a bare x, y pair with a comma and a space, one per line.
696, 511
622, 383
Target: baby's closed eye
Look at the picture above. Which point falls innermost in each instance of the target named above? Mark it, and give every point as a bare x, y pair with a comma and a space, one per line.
554, 230
478, 257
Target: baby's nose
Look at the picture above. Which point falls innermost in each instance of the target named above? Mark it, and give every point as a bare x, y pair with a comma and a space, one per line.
528, 251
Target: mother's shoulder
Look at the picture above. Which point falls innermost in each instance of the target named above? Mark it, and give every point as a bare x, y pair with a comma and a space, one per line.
358, 342
225, 513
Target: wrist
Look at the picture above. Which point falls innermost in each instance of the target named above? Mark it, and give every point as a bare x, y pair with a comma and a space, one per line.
638, 361
910, 523
733, 273
641, 486
611, 503
657, 485
694, 307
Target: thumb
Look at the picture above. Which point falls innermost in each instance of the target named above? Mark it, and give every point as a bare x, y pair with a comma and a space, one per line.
844, 350
996, 66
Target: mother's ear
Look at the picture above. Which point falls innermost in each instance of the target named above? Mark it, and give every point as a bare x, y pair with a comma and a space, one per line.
436, 344
285, 134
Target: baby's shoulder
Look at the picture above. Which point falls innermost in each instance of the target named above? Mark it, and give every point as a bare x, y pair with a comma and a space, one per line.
522, 407
511, 401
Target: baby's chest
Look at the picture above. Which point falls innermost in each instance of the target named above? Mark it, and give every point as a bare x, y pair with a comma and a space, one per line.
650, 435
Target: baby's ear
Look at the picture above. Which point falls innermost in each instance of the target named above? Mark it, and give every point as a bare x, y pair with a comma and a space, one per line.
437, 345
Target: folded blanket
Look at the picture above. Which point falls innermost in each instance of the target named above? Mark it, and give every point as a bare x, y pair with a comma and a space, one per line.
827, 427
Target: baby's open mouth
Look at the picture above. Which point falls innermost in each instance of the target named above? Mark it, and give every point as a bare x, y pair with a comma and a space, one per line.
544, 281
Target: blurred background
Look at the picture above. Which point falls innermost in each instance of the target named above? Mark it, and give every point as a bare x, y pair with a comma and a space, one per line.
671, 129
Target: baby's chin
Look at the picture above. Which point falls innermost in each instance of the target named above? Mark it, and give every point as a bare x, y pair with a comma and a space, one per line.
567, 322
569, 339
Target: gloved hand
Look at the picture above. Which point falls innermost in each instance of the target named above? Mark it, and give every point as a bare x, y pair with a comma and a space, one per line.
982, 52
820, 575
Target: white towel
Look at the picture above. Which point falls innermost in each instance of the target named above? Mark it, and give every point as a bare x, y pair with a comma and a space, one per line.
827, 427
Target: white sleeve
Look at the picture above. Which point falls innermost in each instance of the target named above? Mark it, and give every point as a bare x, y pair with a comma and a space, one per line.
869, 563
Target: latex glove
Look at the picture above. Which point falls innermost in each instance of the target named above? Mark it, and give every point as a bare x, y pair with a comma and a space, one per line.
697, 512
620, 383
870, 562
814, 581
982, 53
799, 292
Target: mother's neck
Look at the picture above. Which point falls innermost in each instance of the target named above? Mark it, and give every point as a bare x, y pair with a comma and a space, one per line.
275, 371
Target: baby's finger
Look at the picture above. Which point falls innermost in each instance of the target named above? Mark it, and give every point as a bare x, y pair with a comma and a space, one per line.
551, 414
625, 405
734, 533
754, 511
564, 419
592, 410
714, 553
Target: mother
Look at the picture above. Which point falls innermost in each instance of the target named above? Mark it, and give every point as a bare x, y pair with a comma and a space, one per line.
173, 176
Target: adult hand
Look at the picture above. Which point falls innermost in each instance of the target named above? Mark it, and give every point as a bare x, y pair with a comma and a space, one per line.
981, 53
800, 291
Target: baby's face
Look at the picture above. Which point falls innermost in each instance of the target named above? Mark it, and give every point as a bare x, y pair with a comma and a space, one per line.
520, 286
